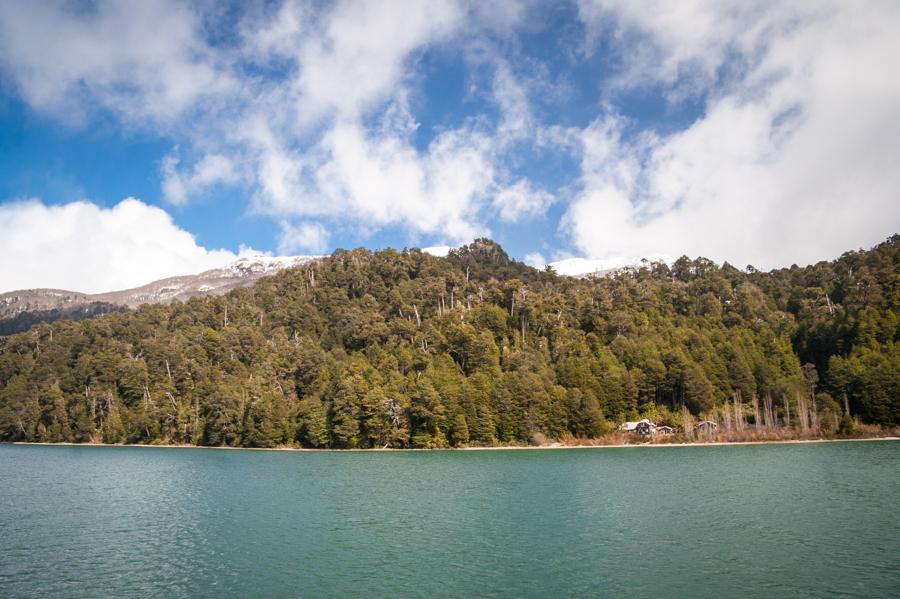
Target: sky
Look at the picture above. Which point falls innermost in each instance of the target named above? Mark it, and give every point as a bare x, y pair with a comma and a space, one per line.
140, 140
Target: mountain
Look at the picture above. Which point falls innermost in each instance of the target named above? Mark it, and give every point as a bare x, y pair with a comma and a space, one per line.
21, 309
578, 267
405, 349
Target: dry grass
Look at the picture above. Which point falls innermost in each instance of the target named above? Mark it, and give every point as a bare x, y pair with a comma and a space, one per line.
749, 435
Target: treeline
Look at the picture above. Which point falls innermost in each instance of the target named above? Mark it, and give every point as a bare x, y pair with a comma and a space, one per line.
25, 320
403, 349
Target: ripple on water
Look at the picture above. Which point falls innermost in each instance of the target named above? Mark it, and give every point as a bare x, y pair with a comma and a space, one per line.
756, 521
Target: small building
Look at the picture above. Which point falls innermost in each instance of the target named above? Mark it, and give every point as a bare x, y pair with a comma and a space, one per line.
628, 427
664, 430
644, 427
707, 426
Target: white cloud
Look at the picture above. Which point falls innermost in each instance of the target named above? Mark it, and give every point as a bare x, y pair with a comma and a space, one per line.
521, 200
512, 100
311, 106
360, 54
378, 179
793, 161
279, 34
535, 259
684, 44
140, 59
209, 170
84, 247
306, 236
307, 137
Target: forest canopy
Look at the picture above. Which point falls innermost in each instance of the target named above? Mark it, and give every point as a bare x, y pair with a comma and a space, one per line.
405, 349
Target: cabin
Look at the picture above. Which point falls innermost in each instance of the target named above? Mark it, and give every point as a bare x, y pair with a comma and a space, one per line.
664, 430
644, 427
707, 426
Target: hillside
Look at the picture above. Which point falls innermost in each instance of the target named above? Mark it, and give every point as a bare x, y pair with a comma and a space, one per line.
21, 309
406, 349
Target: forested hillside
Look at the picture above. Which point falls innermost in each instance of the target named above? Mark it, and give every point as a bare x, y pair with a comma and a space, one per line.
404, 349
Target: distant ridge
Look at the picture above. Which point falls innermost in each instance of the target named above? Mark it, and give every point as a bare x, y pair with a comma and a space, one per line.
23, 308
584, 267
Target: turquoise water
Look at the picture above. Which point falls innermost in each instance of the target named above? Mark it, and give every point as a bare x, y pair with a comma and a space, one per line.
817, 520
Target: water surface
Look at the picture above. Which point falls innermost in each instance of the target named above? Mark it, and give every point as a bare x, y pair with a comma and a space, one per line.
813, 520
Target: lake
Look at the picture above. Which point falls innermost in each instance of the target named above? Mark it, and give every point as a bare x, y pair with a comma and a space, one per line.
800, 520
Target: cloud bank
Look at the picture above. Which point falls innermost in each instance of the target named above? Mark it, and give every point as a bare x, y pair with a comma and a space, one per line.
794, 158
318, 111
82, 247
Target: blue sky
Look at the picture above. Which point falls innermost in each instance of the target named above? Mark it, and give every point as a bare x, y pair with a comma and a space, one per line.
140, 140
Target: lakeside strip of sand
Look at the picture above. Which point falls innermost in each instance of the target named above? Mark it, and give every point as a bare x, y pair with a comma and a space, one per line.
497, 448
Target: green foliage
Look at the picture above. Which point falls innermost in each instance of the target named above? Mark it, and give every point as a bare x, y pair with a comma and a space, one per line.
403, 349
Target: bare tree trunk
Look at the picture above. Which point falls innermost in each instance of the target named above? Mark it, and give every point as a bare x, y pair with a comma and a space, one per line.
87, 395
756, 415
687, 423
804, 414
738, 411
196, 428
814, 413
418, 319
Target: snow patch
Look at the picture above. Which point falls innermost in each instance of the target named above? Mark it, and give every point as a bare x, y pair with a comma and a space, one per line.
440, 251
581, 267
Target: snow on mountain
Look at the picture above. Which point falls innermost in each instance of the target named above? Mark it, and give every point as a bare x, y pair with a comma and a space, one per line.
243, 272
440, 251
261, 264
582, 267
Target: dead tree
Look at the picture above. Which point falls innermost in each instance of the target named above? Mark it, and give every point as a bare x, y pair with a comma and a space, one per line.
756, 417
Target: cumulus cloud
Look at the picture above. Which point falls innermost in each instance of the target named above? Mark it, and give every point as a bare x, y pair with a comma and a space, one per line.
685, 44
791, 160
84, 247
328, 136
520, 200
178, 185
333, 139
535, 259
359, 55
306, 236
312, 107
378, 178
142, 60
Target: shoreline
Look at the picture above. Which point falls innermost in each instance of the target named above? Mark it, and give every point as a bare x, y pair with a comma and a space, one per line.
554, 446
